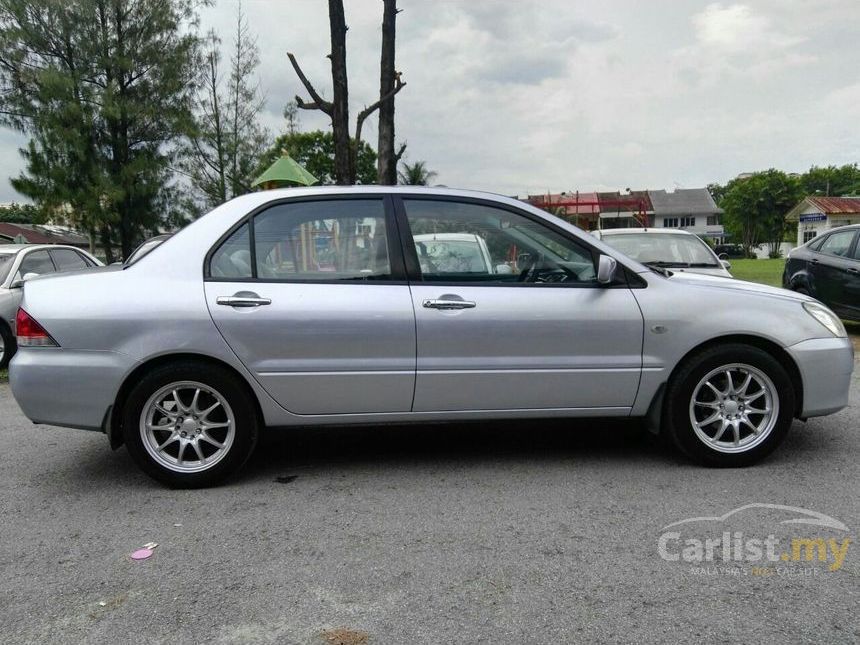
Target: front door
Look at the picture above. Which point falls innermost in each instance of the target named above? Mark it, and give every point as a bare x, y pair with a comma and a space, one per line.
510, 315
312, 298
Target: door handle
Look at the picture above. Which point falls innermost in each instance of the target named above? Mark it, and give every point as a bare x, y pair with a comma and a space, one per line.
441, 303
852, 270
814, 261
243, 301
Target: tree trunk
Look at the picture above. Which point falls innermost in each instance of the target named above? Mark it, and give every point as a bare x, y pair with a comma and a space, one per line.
344, 169
387, 161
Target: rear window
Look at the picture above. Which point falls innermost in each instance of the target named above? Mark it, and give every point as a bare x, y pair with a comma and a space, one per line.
5, 264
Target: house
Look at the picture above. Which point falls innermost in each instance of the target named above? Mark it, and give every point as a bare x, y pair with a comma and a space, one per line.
578, 208
692, 209
625, 210
32, 234
816, 214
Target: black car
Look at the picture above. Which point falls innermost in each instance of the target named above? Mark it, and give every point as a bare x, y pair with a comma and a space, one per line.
729, 250
828, 268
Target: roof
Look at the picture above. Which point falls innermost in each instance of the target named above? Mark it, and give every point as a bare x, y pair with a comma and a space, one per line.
573, 203
627, 231
835, 205
39, 235
684, 201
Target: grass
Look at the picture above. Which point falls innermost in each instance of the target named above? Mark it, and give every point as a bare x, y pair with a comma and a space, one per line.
4, 376
762, 271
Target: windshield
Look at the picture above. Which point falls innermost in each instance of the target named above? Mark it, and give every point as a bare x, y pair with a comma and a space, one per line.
667, 249
5, 264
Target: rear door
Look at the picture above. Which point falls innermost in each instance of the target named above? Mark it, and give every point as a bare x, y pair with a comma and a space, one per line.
312, 297
532, 331
832, 268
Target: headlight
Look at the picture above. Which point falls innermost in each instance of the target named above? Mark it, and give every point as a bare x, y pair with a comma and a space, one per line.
826, 317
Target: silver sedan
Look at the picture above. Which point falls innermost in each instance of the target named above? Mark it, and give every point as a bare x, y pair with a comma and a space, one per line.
20, 262
324, 306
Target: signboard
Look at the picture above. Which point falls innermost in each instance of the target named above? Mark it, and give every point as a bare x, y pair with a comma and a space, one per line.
813, 217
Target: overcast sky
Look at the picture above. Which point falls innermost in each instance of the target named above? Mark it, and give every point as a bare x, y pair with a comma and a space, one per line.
523, 97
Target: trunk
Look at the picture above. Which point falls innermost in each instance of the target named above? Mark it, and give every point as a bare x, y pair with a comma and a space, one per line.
344, 170
104, 236
387, 161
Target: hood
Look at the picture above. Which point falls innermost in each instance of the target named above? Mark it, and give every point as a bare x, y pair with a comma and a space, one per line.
717, 271
730, 284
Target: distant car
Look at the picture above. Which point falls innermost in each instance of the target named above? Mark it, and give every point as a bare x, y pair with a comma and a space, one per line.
20, 262
828, 268
735, 251
456, 253
667, 248
145, 248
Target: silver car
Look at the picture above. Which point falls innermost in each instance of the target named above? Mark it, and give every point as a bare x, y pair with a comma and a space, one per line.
669, 248
20, 262
309, 306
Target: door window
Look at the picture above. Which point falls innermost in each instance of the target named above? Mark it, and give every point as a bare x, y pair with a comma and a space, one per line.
38, 262
464, 242
329, 240
68, 260
837, 243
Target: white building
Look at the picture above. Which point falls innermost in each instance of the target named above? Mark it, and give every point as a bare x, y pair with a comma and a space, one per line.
816, 214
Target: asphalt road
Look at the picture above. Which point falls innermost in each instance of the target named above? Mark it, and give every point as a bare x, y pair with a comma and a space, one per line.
490, 533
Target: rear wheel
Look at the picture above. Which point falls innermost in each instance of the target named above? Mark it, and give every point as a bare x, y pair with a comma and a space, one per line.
190, 425
729, 405
7, 346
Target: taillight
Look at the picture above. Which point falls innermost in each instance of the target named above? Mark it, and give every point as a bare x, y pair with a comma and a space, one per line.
30, 333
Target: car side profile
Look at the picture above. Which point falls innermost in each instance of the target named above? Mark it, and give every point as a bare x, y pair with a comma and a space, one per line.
20, 262
828, 269
311, 306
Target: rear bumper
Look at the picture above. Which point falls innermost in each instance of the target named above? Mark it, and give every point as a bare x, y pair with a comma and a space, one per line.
63, 387
825, 367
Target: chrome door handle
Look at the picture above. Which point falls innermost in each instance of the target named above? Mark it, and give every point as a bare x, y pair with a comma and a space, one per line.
448, 304
242, 301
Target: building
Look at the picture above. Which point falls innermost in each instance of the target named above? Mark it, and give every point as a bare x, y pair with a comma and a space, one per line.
816, 214
692, 209
632, 209
578, 208
32, 234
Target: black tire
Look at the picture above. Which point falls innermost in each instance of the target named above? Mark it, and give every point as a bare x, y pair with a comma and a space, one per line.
677, 405
802, 290
9, 345
221, 381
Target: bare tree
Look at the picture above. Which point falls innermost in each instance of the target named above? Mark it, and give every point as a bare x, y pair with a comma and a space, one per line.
338, 108
388, 78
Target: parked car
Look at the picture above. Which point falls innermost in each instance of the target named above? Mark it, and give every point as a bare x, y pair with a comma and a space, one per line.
828, 269
145, 247
669, 248
732, 251
20, 262
456, 253
309, 306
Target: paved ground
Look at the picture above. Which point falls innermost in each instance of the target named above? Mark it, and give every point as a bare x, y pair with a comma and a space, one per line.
502, 533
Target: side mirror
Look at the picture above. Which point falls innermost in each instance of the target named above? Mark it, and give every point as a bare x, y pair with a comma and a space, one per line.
504, 269
606, 267
726, 264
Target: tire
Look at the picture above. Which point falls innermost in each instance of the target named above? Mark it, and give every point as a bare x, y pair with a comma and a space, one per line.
8, 346
167, 438
802, 290
701, 410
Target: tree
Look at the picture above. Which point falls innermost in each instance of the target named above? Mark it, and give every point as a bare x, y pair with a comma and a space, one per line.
104, 89
756, 207
21, 214
345, 146
832, 180
224, 149
315, 151
388, 79
416, 174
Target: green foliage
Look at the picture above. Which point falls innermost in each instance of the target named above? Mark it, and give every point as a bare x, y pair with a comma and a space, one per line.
21, 214
315, 151
104, 89
832, 180
416, 174
761, 271
756, 207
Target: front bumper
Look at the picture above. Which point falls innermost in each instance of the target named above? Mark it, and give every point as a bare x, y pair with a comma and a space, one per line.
825, 366
62, 387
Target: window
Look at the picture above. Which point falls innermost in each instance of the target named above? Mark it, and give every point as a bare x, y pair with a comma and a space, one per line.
837, 243
460, 242
68, 260
714, 220
808, 235
325, 240
670, 222
688, 221
38, 262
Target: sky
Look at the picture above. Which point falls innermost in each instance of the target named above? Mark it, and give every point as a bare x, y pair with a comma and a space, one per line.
521, 97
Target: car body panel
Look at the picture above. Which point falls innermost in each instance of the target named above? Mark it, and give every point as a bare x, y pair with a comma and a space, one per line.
158, 307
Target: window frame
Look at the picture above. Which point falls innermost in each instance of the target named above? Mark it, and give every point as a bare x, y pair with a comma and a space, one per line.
395, 253
81, 256
848, 252
626, 278
27, 254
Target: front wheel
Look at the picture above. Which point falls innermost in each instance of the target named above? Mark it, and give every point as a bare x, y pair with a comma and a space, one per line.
729, 405
190, 425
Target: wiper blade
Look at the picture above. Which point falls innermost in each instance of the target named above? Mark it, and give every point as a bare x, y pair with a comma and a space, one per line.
665, 264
